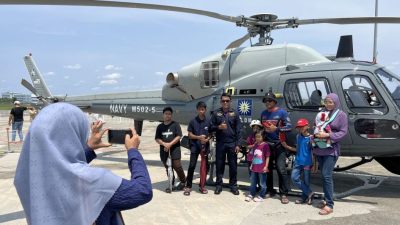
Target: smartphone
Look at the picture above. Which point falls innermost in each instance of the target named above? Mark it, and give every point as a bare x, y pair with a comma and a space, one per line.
118, 136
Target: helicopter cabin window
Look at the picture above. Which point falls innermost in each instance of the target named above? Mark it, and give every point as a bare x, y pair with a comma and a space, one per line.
209, 74
306, 94
361, 96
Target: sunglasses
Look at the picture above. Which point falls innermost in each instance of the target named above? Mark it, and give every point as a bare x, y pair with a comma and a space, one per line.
225, 101
269, 100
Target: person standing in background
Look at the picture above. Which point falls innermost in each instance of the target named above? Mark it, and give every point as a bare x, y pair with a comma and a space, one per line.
16, 118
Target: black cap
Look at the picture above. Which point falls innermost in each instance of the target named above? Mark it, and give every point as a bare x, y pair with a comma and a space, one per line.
270, 96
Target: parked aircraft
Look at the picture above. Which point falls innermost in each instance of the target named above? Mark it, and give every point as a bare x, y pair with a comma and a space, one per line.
300, 77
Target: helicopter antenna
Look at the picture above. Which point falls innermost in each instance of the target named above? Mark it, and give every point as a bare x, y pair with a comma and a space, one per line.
375, 33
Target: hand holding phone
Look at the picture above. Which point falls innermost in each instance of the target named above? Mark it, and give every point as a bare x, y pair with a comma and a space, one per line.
118, 136
132, 141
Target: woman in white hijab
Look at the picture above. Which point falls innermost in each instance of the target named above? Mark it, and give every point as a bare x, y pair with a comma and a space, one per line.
57, 186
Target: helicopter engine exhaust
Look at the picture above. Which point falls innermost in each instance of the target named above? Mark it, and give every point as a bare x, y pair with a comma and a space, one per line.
172, 79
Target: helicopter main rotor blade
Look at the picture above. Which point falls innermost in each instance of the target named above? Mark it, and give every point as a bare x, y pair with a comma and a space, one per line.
29, 86
238, 42
233, 19
350, 20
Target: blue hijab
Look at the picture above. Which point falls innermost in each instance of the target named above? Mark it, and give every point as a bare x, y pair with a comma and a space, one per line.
54, 183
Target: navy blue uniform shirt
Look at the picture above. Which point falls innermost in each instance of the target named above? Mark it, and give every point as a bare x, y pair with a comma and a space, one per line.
198, 127
233, 133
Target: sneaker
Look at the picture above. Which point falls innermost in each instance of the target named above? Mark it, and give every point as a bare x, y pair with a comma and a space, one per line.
248, 198
168, 190
258, 199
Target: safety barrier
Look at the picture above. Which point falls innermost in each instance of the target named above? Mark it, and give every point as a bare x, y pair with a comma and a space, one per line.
12, 146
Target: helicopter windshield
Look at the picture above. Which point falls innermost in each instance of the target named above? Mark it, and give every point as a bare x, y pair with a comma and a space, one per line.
392, 84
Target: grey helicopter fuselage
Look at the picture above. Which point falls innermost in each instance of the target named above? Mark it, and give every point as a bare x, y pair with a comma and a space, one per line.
292, 72
298, 75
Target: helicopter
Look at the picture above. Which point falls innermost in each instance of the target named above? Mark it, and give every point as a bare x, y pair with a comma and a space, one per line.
299, 76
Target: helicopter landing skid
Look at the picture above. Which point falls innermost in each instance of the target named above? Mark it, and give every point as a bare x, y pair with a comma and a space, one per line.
370, 181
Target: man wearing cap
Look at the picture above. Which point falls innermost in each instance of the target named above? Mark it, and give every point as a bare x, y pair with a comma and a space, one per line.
17, 119
226, 123
276, 123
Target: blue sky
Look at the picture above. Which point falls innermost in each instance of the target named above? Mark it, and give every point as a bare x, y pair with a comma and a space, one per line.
88, 50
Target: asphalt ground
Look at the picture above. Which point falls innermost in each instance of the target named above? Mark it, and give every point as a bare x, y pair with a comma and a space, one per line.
374, 206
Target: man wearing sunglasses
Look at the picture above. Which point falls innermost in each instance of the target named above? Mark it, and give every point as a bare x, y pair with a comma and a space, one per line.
276, 123
226, 123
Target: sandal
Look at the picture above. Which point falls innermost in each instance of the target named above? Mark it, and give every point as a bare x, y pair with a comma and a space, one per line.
186, 191
284, 199
299, 201
321, 204
310, 198
203, 190
325, 211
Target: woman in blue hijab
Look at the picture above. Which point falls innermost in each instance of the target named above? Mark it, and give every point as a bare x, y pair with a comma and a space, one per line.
57, 186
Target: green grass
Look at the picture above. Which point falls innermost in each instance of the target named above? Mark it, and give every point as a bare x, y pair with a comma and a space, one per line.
5, 106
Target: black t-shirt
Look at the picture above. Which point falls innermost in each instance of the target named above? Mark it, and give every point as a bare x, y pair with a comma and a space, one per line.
18, 113
167, 133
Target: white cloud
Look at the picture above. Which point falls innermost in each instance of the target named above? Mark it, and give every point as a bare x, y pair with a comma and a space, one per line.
108, 82
396, 63
66, 77
160, 73
50, 73
112, 76
95, 88
131, 77
73, 67
112, 67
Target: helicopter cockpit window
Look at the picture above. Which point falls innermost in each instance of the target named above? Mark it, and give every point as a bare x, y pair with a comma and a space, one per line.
306, 94
392, 84
209, 74
361, 96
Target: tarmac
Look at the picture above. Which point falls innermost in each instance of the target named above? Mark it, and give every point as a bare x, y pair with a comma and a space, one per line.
375, 206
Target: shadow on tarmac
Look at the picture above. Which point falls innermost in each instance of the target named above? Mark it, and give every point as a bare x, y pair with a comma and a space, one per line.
12, 216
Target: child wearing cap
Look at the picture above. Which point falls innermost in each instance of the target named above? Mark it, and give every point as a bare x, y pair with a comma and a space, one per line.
256, 126
303, 161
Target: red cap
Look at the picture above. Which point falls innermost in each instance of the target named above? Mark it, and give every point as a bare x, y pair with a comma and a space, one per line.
302, 122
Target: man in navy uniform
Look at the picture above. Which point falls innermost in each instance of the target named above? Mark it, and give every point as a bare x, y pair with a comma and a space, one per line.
226, 123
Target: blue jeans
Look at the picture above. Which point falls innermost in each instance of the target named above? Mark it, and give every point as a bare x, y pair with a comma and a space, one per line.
254, 178
326, 165
304, 184
17, 126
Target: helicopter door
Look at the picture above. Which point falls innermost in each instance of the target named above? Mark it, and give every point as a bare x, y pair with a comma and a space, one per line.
304, 96
367, 108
